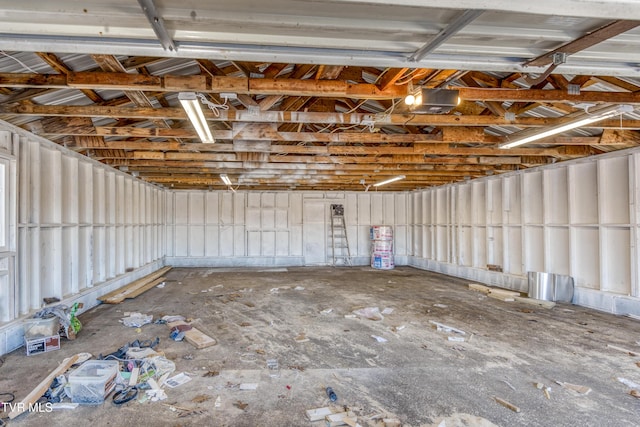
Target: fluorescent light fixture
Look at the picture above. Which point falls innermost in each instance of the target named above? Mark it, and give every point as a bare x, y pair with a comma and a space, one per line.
225, 179
389, 181
581, 120
192, 107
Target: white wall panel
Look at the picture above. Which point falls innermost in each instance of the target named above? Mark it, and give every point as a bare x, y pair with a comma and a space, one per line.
577, 218
279, 228
67, 228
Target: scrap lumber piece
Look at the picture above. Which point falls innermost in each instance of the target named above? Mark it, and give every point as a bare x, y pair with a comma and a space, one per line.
335, 420
476, 287
504, 292
194, 336
501, 296
533, 301
318, 414
582, 389
145, 288
506, 404
624, 350
119, 295
42, 388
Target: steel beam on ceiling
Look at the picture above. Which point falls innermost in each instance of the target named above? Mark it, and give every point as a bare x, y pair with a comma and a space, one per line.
461, 21
157, 23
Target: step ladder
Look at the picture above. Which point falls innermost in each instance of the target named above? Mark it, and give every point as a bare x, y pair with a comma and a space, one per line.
340, 252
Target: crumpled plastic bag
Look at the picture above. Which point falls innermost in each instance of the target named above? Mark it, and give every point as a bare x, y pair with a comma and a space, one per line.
371, 313
136, 320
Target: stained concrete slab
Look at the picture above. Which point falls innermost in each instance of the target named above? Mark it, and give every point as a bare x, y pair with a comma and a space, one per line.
417, 376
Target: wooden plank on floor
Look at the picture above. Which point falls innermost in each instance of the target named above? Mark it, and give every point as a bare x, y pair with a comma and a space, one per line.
41, 388
479, 288
119, 295
505, 292
318, 413
145, 288
503, 295
194, 336
538, 302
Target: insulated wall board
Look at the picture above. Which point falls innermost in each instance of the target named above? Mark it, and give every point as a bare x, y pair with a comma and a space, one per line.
578, 218
71, 219
278, 228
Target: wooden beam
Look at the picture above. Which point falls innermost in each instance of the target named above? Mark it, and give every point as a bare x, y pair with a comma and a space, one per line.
299, 117
390, 76
200, 83
588, 40
618, 136
256, 133
57, 64
622, 84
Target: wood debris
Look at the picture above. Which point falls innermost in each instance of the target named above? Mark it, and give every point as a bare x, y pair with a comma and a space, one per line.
624, 350
301, 338
318, 414
211, 374
135, 288
194, 336
577, 388
240, 405
338, 419
506, 404
201, 398
184, 414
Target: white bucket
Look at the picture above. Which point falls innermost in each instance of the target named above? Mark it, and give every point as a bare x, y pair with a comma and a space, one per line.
382, 261
382, 246
381, 232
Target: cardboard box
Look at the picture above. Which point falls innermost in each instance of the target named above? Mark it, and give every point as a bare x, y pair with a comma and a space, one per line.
42, 345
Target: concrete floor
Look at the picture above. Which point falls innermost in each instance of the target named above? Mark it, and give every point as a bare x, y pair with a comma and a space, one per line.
417, 376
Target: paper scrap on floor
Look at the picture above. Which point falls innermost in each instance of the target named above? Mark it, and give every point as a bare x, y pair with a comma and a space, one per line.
178, 380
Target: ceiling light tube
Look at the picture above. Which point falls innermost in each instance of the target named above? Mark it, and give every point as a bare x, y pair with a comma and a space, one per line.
582, 120
389, 181
192, 107
225, 179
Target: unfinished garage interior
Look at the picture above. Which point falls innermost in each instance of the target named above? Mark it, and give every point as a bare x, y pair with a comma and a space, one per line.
374, 213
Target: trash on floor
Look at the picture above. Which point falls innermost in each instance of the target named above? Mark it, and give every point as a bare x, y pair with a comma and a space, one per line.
273, 367
441, 327
249, 386
379, 339
371, 313
136, 320
178, 380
